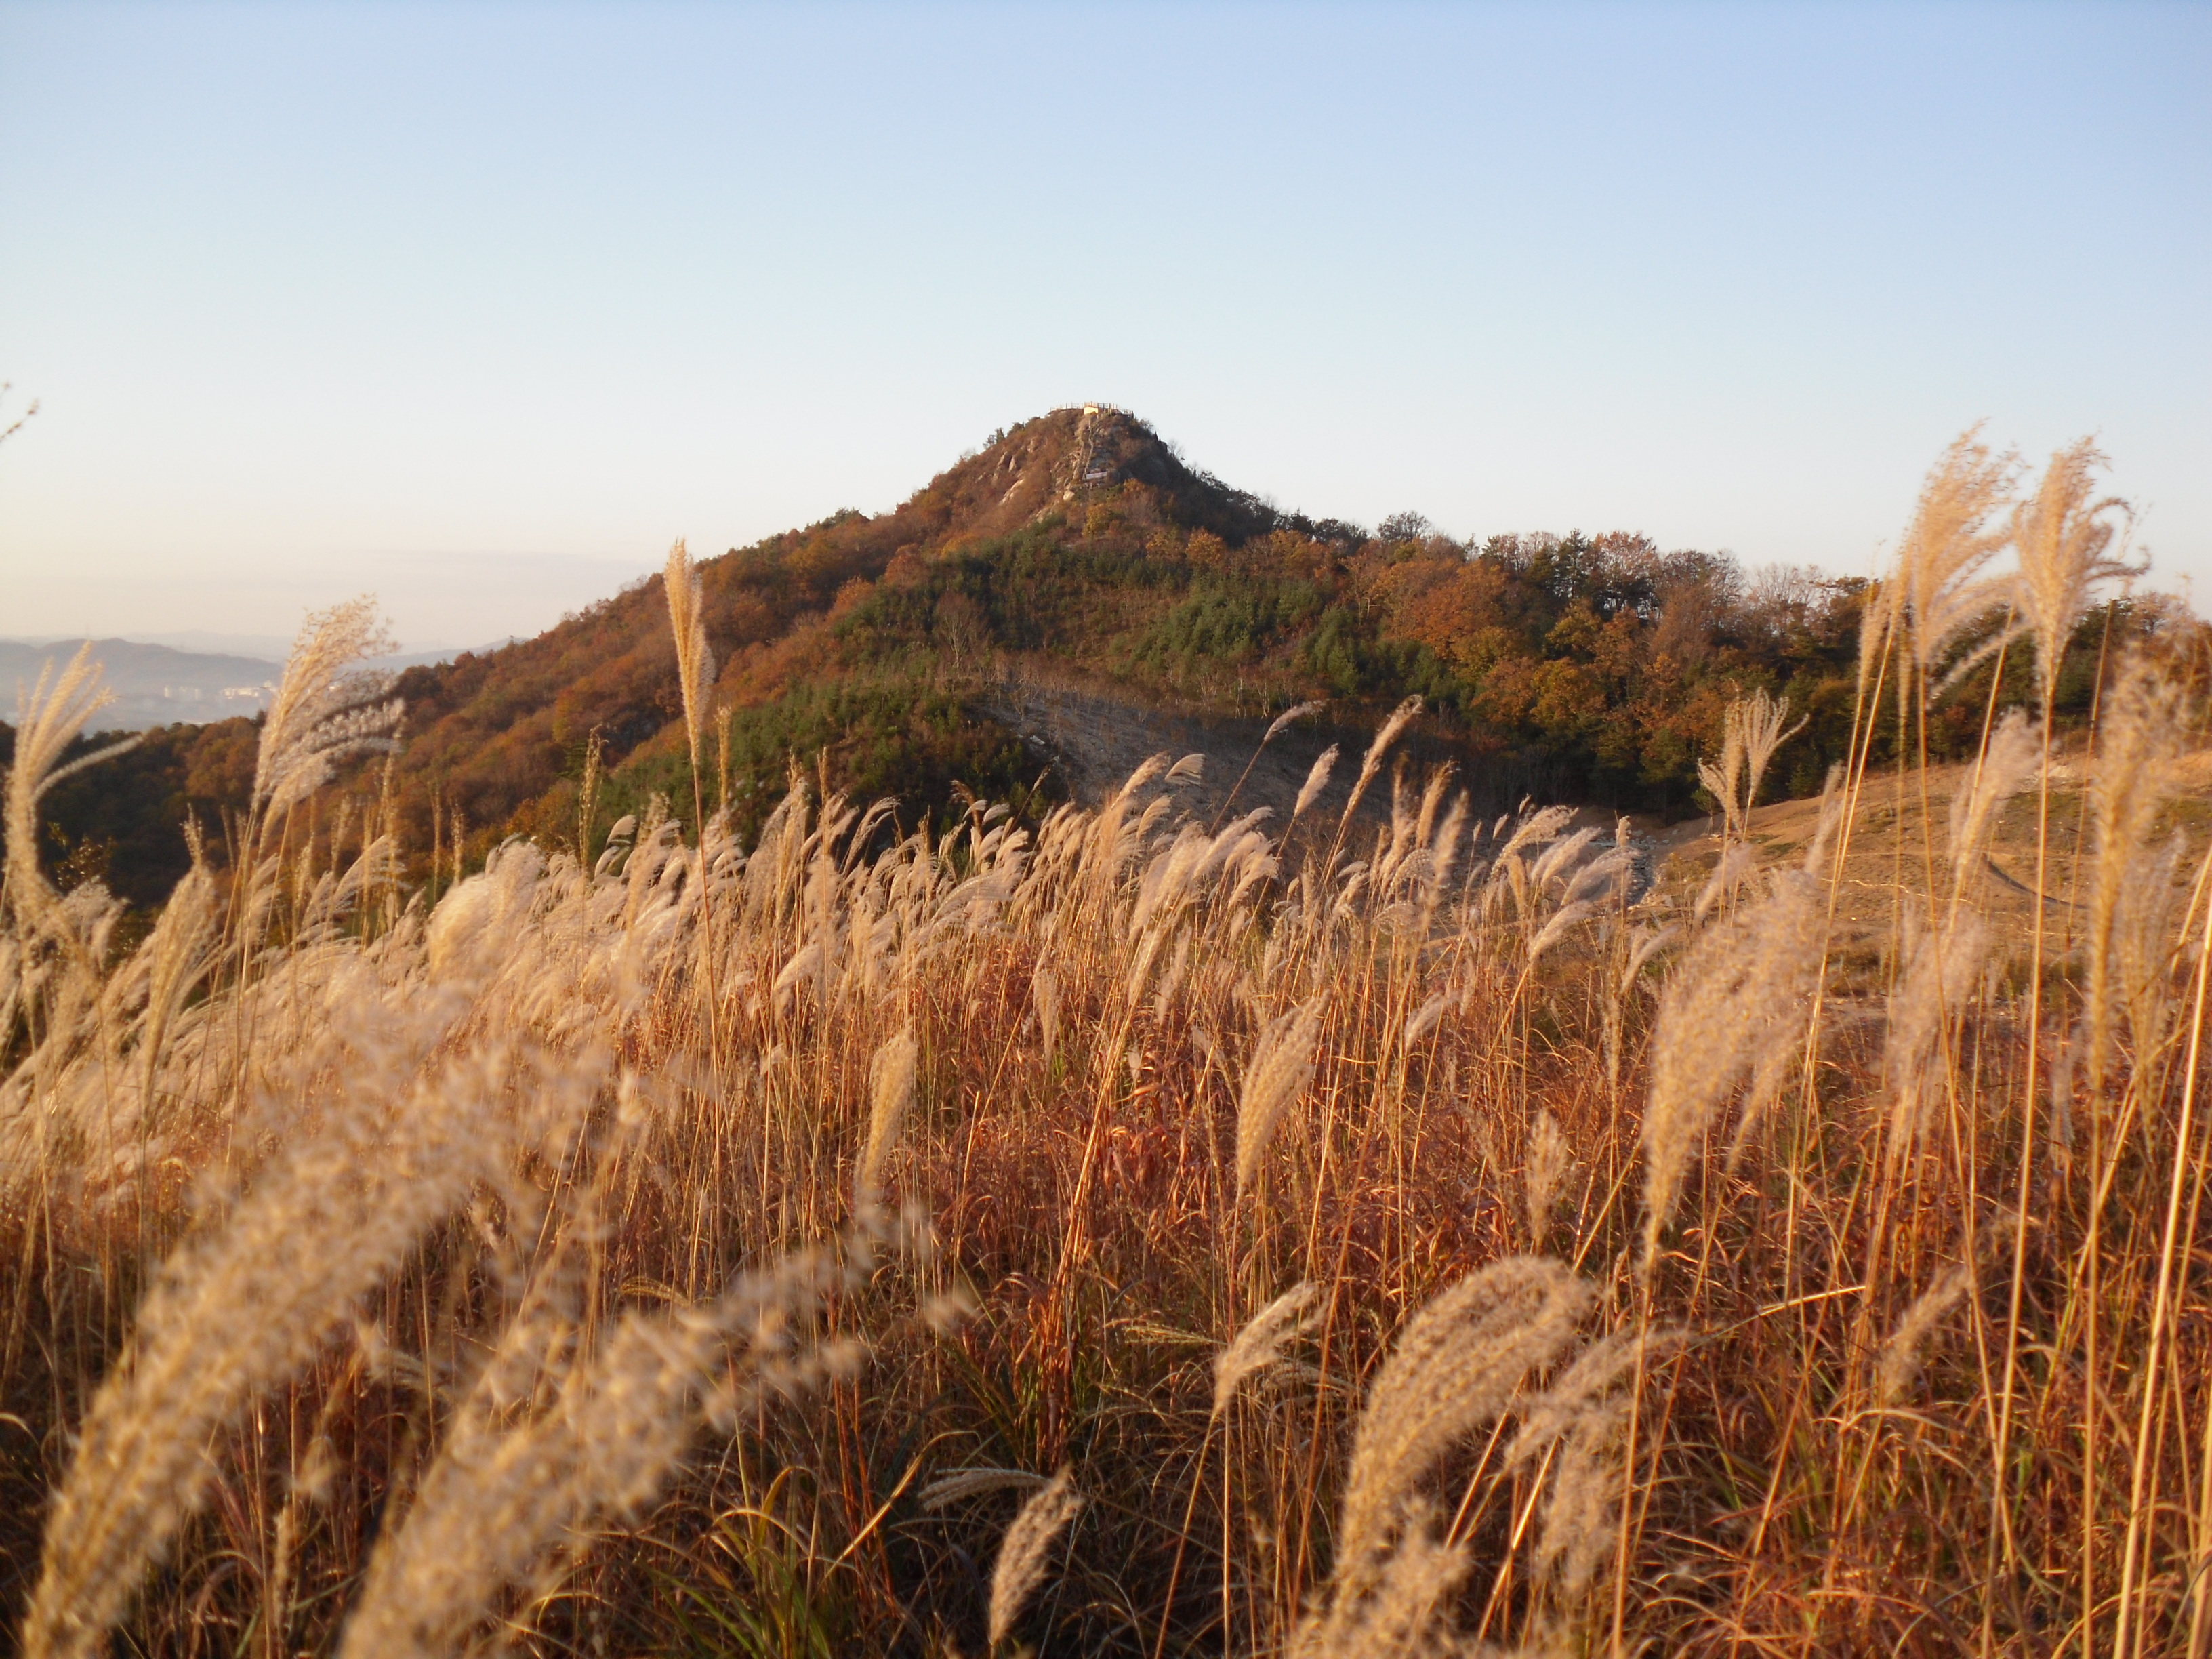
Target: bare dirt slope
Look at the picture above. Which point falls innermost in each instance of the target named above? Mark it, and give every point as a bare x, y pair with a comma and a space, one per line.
1094, 739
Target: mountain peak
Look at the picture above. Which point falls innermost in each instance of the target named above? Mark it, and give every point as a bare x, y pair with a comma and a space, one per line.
1074, 456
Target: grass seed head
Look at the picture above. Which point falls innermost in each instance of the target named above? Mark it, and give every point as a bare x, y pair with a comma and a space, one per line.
695, 662
1897, 1366
1457, 1366
1316, 779
2064, 537
1261, 1343
1282, 1065
1024, 1552
890, 1095
1549, 1160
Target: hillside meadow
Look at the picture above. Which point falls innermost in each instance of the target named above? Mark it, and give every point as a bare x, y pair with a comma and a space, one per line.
773, 1222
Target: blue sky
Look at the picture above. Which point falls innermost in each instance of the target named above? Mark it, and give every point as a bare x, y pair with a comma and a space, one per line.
479, 305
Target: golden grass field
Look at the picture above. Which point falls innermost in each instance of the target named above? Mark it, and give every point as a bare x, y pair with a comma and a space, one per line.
1125, 1234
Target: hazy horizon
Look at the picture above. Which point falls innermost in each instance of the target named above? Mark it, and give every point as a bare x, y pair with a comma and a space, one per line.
478, 307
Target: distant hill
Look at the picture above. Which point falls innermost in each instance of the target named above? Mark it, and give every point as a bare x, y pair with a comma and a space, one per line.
161, 684
156, 684
1075, 594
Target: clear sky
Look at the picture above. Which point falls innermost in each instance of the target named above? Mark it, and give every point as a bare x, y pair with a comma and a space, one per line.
478, 305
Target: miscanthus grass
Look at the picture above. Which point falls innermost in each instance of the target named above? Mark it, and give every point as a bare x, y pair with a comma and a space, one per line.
1024, 1554
1427, 1222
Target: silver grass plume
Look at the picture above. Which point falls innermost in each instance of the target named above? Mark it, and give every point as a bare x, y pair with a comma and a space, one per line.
515, 1493
1898, 1365
1585, 1413
1556, 860
327, 707
1875, 625
1731, 1015
1282, 1065
1942, 952
2005, 767
2064, 539
1764, 723
1940, 966
1289, 718
1735, 866
177, 956
890, 1095
1724, 782
1456, 1367
1422, 1020
47, 719
2132, 776
1316, 779
1025, 1552
1371, 762
695, 662
1753, 728
1394, 1615
237, 1311
1558, 925
1549, 1160
1259, 1344
1553, 1413
1938, 587
956, 1484
2142, 946
1580, 1528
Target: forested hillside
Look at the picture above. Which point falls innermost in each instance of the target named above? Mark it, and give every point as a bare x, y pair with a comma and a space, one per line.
1078, 550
